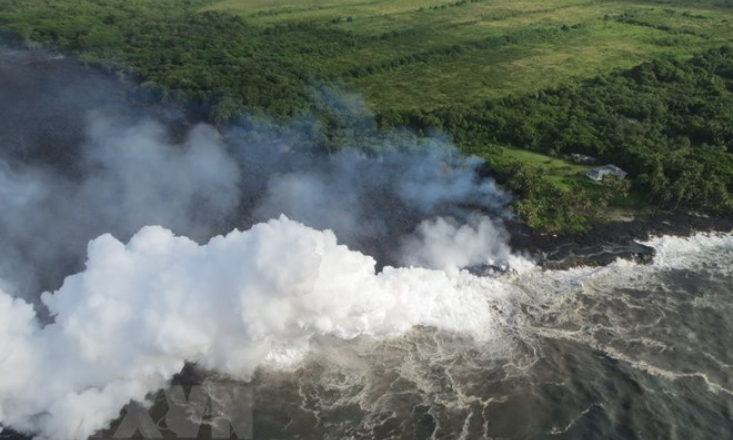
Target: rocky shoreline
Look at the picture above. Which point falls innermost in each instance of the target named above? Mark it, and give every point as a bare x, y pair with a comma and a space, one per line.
606, 242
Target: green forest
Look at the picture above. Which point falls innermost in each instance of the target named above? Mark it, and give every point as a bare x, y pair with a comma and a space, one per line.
668, 123
645, 85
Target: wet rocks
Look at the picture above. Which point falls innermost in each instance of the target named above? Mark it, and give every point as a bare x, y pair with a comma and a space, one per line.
606, 242
571, 255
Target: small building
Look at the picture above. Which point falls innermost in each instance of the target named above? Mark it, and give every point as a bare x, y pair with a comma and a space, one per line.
599, 173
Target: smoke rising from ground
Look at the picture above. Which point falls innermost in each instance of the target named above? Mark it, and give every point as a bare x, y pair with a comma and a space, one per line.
131, 177
130, 319
445, 244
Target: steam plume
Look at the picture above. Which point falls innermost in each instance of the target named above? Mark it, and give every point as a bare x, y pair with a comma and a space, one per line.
124, 324
127, 323
443, 243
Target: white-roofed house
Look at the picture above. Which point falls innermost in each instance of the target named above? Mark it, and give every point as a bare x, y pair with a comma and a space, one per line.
599, 173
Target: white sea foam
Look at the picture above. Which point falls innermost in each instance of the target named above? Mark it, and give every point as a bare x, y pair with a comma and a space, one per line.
681, 251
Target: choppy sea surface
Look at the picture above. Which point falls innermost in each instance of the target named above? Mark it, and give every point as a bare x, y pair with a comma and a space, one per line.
625, 351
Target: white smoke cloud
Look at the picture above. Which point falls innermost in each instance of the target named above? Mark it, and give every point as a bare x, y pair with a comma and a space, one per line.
445, 244
152, 180
450, 178
310, 198
128, 176
125, 325
372, 202
130, 321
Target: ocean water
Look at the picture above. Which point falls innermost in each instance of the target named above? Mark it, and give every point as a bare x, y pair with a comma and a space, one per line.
625, 351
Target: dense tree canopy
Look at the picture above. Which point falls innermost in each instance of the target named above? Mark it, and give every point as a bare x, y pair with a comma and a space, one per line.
668, 123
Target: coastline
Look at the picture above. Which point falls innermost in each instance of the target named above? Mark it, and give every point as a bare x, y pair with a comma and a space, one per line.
607, 241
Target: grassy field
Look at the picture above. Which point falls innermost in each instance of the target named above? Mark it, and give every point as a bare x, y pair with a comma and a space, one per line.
558, 171
427, 53
399, 54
